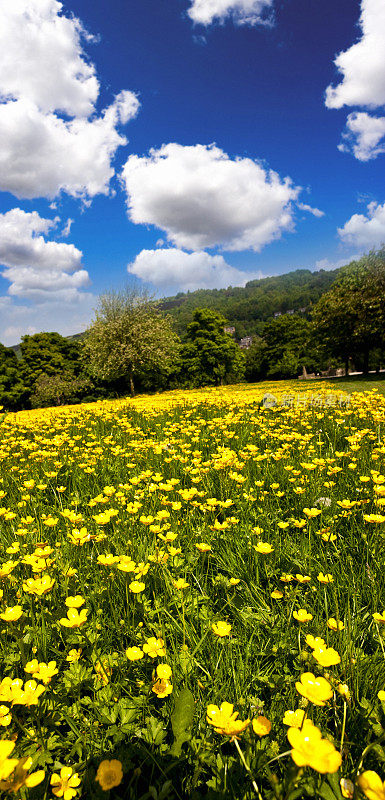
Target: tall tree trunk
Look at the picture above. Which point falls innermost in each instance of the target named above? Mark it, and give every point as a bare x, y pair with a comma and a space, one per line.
132, 387
346, 365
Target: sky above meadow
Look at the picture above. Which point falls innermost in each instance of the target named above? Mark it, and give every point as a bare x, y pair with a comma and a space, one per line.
183, 144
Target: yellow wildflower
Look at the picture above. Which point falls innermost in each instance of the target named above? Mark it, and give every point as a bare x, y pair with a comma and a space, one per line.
309, 749
109, 774
315, 689
224, 720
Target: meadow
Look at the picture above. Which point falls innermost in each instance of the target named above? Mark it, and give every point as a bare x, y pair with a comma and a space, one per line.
192, 596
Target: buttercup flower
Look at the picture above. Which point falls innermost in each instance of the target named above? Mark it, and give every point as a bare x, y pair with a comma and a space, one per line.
315, 689
7, 765
371, 785
12, 614
294, 719
263, 547
74, 618
380, 618
136, 587
261, 726
326, 656
109, 774
221, 628
20, 777
203, 547
66, 784
224, 720
315, 641
75, 602
162, 686
302, 615
328, 578
5, 716
164, 671
181, 584
309, 749
134, 653
335, 625
154, 647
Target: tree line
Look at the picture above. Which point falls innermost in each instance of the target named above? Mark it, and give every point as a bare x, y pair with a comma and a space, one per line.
132, 345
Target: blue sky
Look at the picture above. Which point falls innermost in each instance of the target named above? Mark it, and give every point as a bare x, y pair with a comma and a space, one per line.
183, 144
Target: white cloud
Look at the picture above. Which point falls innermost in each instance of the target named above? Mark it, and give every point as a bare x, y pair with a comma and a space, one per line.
366, 231
41, 58
201, 197
362, 67
41, 152
67, 227
363, 64
37, 268
315, 211
39, 285
174, 269
325, 263
364, 136
243, 12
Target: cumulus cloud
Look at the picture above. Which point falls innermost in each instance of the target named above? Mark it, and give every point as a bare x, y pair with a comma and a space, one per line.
201, 197
175, 269
43, 152
364, 136
35, 267
243, 12
52, 72
362, 65
366, 231
315, 211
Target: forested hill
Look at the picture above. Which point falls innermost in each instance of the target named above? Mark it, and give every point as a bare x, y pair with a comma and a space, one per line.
247, 308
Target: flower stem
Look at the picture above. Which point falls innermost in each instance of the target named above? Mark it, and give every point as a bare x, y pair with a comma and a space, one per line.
247, 768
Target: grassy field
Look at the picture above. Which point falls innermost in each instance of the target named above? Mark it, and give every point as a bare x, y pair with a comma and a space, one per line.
192, 599
359, 383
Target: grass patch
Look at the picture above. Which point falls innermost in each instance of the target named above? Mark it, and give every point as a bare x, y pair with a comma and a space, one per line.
163, 556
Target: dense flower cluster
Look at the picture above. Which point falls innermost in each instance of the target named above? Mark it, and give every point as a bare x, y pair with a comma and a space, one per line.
192, 566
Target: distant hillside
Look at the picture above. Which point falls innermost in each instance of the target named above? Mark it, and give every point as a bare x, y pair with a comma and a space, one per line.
247, 308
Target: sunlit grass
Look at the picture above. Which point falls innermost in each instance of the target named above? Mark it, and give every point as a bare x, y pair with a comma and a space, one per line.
194, 530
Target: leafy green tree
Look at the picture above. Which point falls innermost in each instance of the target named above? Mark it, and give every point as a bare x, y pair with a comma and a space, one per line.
57, 390
256, 360
48, 354
13, 393
287, 346
210, 356
350, 317
128, 337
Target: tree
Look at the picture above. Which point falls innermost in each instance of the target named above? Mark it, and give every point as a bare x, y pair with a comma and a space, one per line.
256, 360
129, 335
350, 317
57, 390
13, 393
48, 354
287, 340
210, 356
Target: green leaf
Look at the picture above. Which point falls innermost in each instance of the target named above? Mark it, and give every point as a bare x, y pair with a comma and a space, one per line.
182, 720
